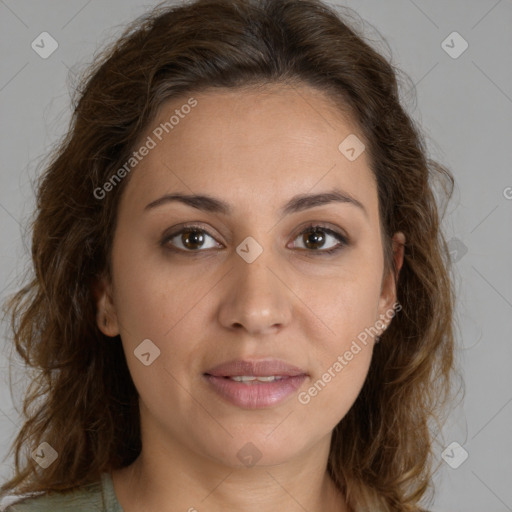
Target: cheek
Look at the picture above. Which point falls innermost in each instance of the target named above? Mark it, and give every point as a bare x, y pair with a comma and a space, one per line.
335, 385
161, 303
341, 349
153, 296
343, 305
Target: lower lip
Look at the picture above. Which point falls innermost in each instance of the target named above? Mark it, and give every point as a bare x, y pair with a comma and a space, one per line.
255, 394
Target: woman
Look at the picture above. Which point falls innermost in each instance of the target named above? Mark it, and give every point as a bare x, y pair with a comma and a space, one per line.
241, 298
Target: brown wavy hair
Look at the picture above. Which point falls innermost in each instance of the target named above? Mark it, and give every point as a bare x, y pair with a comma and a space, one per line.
81, 399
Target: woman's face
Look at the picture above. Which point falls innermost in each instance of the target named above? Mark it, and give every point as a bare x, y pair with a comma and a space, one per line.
248, 290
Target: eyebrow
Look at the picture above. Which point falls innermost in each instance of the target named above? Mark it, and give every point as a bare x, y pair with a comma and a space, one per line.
296, 204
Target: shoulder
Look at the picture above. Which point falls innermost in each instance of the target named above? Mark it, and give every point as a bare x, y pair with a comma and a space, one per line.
85, 499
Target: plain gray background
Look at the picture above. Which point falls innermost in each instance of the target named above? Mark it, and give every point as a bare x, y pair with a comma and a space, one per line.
464, 106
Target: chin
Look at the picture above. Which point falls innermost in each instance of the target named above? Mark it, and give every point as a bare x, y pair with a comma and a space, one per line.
257, 449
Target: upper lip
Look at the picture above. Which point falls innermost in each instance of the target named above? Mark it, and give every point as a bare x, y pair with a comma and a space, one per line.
261, 368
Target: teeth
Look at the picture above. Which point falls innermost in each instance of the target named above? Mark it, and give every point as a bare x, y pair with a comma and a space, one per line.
250, 378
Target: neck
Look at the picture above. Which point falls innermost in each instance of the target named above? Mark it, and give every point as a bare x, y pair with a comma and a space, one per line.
184, 480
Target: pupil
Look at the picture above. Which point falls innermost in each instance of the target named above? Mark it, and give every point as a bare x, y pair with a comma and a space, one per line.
192, 237
316, 237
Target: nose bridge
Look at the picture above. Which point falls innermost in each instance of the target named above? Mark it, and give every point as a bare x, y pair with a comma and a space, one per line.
256, 299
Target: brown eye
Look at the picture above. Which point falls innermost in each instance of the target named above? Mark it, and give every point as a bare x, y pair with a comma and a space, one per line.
315, 238
190, 239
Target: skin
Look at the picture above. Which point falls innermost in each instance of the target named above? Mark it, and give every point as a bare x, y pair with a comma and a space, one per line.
254, 149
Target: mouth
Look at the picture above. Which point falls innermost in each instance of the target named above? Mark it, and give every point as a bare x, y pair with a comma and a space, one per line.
255, 368
251, 378
255, 384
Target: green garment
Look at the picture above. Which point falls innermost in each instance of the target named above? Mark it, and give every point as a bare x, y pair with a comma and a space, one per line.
97, 497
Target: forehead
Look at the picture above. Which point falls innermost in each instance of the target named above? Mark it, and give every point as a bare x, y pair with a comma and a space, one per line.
271, 142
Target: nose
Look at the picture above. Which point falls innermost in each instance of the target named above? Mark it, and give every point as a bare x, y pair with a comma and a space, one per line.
257, 298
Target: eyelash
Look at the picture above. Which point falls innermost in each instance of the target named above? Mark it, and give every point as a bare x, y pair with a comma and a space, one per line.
344, 241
